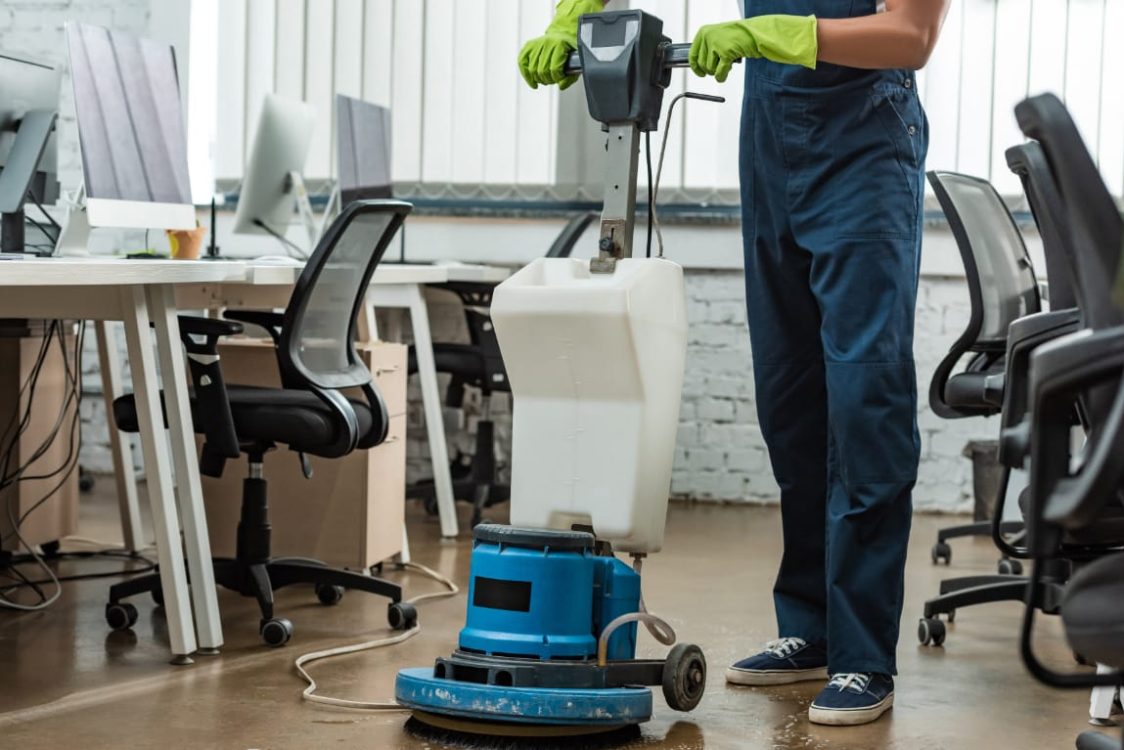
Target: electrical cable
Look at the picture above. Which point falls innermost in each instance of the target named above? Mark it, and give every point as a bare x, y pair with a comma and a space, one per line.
651, 196
290, 246
663, 151
309, 693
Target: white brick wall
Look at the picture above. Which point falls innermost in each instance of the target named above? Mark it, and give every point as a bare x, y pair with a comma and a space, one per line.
720, 454
35, 28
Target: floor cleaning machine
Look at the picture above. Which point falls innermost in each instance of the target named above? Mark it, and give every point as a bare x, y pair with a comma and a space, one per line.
595, 351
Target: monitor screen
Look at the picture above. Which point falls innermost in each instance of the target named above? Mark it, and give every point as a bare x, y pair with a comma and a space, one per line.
363, 149
131, 130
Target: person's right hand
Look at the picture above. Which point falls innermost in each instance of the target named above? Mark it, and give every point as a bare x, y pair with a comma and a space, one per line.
543, 59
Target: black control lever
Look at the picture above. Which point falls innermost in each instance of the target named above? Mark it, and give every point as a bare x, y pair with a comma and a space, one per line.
674, 56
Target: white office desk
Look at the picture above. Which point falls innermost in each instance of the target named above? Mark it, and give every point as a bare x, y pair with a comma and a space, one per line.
140, 292
393, 286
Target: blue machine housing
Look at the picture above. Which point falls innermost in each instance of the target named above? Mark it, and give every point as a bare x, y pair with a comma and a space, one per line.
546, 596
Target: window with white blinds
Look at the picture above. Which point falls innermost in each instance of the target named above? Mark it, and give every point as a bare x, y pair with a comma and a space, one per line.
463, 116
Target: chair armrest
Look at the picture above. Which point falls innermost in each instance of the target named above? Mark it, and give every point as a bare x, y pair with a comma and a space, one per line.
220, 437
1024, 336
267, 319
1060, 372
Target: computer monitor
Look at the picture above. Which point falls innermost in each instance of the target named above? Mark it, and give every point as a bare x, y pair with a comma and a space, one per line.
272, 183
363, 149
29, 101
131, 130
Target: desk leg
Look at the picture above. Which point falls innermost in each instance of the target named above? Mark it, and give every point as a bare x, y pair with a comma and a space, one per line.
189, 492
434, 422
109, 362
169, 550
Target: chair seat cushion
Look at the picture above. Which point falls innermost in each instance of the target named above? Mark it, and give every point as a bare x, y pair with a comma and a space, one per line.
290, 417
465, 362
1093, 611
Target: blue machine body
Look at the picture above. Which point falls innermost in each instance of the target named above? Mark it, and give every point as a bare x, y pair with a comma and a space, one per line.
419, 689
530, 601
538, 596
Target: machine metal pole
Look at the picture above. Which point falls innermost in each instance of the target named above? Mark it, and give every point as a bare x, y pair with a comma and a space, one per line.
622, 162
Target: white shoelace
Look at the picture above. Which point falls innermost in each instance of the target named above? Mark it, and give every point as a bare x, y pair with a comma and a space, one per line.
857, 682
782, 648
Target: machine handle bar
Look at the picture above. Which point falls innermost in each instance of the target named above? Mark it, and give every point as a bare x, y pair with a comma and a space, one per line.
674, 56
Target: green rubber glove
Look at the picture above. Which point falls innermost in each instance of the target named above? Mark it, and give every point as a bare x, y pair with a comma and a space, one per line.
784, 39
543, 60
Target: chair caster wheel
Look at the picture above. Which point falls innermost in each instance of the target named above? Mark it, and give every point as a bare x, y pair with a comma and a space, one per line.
158, 596
276, 632
931, 631
684, 677
951, 616
941, 552
402, 616
1009, 567
328, 594
120, 615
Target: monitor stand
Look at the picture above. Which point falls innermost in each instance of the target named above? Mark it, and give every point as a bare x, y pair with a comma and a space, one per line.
304, 209
74, 237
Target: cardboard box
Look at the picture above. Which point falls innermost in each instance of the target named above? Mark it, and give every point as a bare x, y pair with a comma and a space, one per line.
351, 513
56, 517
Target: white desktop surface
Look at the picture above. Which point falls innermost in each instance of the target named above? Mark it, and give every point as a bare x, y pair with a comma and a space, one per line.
96, 271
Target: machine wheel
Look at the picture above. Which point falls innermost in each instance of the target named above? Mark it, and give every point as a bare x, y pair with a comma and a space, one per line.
1009, 567
120, 616
684, 677
941, 552
276, 632
328, 594
931, 631
402, 615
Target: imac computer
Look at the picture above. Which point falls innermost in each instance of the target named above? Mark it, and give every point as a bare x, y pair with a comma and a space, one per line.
29, 101
131, 130
363, 149
272, 183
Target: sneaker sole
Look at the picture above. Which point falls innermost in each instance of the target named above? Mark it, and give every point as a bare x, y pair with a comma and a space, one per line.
849, 717
766, 677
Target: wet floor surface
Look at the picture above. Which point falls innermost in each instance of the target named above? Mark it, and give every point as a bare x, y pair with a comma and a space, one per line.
67, 682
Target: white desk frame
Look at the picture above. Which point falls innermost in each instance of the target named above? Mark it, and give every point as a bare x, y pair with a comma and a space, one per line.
400, 287
139, 293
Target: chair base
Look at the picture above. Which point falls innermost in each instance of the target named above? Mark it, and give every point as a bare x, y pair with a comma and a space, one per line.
969, 591
942, 551
1097, 741
260, 580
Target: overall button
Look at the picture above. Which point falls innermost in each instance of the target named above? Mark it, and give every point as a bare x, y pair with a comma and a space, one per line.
908, 83
912, 130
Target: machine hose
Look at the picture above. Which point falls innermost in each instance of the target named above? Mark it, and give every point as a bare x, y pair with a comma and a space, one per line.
658, 628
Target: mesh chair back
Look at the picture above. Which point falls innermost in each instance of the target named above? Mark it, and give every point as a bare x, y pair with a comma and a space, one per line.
1029, 163
317, 345
1000, 276
1095, 224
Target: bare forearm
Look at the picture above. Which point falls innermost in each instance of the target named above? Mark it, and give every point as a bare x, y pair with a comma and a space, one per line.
902, 37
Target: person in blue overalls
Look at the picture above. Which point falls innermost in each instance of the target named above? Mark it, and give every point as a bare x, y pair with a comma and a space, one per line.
833, 146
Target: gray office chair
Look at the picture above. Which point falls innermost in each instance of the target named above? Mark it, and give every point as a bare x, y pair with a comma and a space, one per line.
1075, 509
310, 414
1002, 288
479, 364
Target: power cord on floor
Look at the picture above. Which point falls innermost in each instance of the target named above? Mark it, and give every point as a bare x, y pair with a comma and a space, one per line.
310, 694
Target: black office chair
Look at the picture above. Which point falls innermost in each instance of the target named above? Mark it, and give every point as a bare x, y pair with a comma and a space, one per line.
479, 364
317, 411
1002, 288
1075, 510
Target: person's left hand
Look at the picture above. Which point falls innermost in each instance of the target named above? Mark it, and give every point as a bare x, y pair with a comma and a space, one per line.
781, 38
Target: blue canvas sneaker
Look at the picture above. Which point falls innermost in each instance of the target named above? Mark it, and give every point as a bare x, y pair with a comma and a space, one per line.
852, 698
783, 662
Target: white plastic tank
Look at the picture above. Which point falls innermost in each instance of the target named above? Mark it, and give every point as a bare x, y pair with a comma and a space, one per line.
596, 369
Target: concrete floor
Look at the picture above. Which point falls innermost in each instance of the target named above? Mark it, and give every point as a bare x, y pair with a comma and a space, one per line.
66, 681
